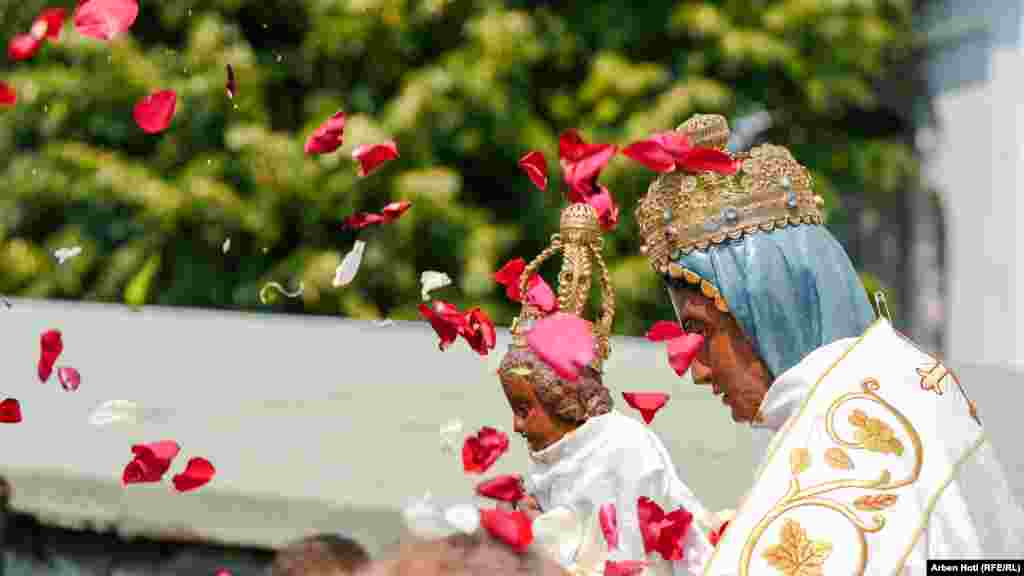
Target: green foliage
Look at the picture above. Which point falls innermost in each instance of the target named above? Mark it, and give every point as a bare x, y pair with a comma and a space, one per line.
465, 88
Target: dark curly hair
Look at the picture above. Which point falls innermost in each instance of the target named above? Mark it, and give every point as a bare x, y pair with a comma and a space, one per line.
569, 401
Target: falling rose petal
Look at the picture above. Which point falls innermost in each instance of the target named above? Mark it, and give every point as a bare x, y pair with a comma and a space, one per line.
446, 319
328, 136
506, 488
648, 403
464, 517
151, 462
609, 524
50, 346
582, 163
69, 378
198, 472
539, 294
49, 23
114, 412
394, 211
508, 276
481, 451
10, 411
564, 342
8, 96
649, 516
682, 351
153, 114
105, 19
346, 271
222, 573
371, 156
536, 168
715, 536
511, 527
431, 280
362, 220
230, 85
651, 154
478, 330
673, 533
64, 254
450, 432
226, 245
664, 330
624, 567
604, 205
23, 47
669, 151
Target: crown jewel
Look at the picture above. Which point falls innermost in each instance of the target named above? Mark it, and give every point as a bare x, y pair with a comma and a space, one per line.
686, 211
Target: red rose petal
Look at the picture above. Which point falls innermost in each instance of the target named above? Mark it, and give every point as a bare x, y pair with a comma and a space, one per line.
151, 461
651, 154
604, 205
539, 294
154, 113
624, 567
673, 532
446, 320
50, 22
370, 157
394, 211
664, 330
649, 516
8, 97
648, 403
328, 136
69, 378
715, 536
479, 332
23, 47
563, 341
509, 275
135, 473
362, 220
507, 488
609, 524
481, 451
50, 347
581, 163
10, 411
682, 351
105, 19
511, 527
198, 472
708, 160
536, 168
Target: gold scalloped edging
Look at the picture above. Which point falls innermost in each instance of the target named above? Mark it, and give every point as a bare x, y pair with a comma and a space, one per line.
678, 272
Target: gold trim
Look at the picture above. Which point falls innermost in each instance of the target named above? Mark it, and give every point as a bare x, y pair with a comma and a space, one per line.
796, 554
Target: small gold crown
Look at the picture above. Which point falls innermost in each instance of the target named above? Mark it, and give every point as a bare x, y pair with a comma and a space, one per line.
684, 211
579, 239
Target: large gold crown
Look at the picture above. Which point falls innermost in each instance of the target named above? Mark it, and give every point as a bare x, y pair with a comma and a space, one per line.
685, 211
580, 242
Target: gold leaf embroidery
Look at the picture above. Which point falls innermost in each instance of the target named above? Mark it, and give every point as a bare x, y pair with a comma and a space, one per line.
875, 502
796, 554
520, 371
875, 435
837, 458
932, 377
799, 460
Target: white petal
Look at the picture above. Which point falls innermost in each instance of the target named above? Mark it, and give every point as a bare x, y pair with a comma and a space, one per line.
64, 254
227, 245
346, 271
464, 517
450, 433
115, 412
432, 280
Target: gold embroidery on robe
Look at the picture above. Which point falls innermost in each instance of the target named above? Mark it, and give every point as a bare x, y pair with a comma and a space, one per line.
796, 554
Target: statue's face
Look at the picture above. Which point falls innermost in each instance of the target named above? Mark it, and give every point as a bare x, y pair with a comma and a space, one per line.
727, 362
529, 417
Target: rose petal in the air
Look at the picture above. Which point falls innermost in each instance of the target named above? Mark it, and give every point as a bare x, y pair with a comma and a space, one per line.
8, 97
506, 488
508, 276
198, 472
50, 346
69, 378
682, 351
105, 19
346, 271
362, 220
511, 527
450, 432
651, 154
154, 113
446, 319
582, 163
664, 330
536, 168
649, 516
609, 524
371, 156
540, 294
10, 411
23, 47
715, 536
115, 411
624, 567
565, 342
151, 461
49, 23
481, 451
673, 533
464, 517
478, 330
648, 403
603, 203
431, 280
394, 211
328, 136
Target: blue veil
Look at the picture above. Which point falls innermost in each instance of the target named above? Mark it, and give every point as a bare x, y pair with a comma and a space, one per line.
791, 290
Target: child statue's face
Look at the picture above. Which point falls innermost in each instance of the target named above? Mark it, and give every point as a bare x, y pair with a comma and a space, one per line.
529, 417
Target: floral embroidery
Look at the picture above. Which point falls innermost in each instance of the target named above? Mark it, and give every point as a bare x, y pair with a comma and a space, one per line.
874, 502
932, 377
796, 554
837, 458
874, 434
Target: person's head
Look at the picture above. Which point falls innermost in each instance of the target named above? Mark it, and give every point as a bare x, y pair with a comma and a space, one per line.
544, 406
320, 555
462, 555
749, 265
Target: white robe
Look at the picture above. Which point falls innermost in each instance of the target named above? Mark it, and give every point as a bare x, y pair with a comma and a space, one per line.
955, 525
609, 458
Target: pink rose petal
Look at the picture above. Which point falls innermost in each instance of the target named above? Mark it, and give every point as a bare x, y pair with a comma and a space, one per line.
105, 19
609, 524
328, 136
49, 23
664, 330
370, 157
69, 378
582, 163
624, 567
563, 341
536, 168
648, 403
8, 97
154, 113
540, 294
23, 47
682, 351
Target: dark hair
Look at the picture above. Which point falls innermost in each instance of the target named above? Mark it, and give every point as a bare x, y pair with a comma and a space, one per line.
323, 554
475, 554
569, 401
